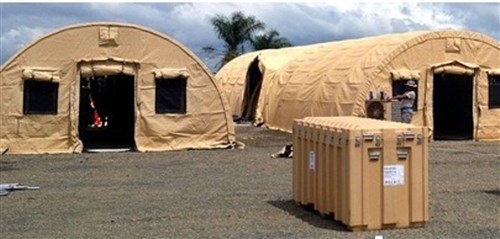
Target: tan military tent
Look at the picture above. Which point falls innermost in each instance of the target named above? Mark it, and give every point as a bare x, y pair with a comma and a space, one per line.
457, 72
109, 85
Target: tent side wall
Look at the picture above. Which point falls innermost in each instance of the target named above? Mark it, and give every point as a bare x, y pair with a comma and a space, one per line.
270, 64
207, 122
232, 79
456, 48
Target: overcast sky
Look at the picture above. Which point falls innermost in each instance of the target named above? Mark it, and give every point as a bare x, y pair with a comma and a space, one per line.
301, 23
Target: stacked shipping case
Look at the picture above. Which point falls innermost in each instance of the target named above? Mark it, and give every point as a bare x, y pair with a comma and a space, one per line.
371, 174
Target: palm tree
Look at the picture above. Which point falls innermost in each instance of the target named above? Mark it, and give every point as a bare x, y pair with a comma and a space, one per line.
234, 31
270, 40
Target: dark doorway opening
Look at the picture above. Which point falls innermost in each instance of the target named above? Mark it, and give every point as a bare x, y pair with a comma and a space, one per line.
107, 112
252, 92
452, 107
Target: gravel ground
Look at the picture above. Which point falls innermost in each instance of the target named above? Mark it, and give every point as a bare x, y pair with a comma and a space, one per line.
239, 193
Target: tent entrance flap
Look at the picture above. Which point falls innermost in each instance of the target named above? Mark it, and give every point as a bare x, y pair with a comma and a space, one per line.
107, 111
252, 91
452, 106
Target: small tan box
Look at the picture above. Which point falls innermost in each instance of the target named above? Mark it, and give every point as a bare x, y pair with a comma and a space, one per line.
371, 174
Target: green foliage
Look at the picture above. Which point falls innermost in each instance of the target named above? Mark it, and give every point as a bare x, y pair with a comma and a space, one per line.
234, 31
237, 30
270, 40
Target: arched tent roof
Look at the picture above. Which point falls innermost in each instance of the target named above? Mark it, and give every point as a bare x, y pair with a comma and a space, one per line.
104, 48
104, 24
334, 78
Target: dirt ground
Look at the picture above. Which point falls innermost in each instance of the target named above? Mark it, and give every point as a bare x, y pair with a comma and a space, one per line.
235, 193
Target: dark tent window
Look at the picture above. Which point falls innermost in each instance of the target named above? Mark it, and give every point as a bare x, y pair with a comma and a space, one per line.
40, 97
398, 88
494, 91
171, 95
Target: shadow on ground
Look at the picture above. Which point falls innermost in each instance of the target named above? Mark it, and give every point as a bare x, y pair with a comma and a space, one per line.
7, 166
494, 192
307, 214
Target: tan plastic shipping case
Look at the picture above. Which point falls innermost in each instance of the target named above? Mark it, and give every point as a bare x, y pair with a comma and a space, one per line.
370, 174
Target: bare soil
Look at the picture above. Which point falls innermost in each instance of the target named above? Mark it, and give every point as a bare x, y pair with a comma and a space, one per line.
232, 193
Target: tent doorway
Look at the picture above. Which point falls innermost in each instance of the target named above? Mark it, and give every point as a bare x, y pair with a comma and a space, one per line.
107, 112
252, 91
452, 107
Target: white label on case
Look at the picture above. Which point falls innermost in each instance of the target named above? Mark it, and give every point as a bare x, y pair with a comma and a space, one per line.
312, 160
394, 175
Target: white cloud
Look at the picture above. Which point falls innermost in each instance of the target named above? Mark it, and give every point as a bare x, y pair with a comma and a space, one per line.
15, 39
301, 23
347, 20
128, 11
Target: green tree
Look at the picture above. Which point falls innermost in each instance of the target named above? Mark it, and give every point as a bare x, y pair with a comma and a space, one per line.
269, 40
235, 31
